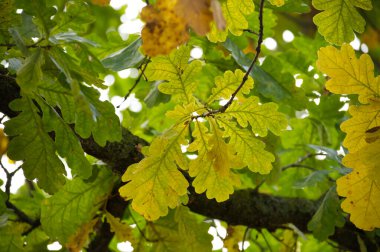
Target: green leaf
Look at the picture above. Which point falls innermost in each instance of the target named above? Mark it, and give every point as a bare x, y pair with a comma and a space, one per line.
327, 216
3, 199
106, 123
340, 18
37, 240
67, 143
75, 204
261, 117
30, 74
76, 16
312, 179
248, 148
126, 58
34, 146
155, 183
10, 239
175, 69
41, 12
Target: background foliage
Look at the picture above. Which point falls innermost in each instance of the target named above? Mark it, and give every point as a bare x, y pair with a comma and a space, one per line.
269, 147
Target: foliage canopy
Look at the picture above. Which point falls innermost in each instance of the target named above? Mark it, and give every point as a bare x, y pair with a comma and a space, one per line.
280, 143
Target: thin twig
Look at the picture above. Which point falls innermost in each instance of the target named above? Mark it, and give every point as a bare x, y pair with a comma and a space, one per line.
142, 66
245, 77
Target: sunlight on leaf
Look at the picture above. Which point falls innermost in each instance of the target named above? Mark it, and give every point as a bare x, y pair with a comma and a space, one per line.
155, 183
340, 19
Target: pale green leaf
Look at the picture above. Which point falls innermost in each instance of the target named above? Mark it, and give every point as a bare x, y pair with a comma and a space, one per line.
261, 117
179, 74
228, 83
34, 146
248, 148
30, 74
10, 239
340, 19
75, 204
155, 183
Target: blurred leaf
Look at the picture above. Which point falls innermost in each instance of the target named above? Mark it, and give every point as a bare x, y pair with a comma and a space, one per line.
327, 216
126, 58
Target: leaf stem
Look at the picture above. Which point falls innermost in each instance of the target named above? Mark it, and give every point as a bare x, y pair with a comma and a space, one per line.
142, 67
245, 77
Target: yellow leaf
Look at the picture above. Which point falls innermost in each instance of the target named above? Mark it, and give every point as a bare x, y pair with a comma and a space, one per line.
212, 167
373, 134
122, 230
250, 150
362, 187
79, 240
363, 119
235, 234
340, 18
179, 74
348, 74
261, 117
164, 29
234, 12
228, 83
184, 113
3, 143
277, 2
155, 183
197, 14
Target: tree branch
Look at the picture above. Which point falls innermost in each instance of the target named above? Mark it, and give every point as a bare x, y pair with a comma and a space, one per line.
245, 207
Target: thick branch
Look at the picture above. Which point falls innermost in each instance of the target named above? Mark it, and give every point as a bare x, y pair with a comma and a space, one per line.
245, 207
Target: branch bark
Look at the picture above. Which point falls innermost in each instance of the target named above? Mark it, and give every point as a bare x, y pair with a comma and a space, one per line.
245, 207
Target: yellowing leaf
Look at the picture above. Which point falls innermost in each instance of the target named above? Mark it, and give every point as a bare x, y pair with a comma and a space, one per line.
249, 149
183, 113
234, 11
340, 18
277, 2
122, 230
362, 187
100, 2
261, 117
175, 69
349, 75
197, 14
363, 118
235, 234
164, 30
3, 143
228, 83
155, 183
212, 167
80, 238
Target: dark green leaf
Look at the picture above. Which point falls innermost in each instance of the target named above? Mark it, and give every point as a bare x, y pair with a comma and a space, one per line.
327, 216
126, 58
